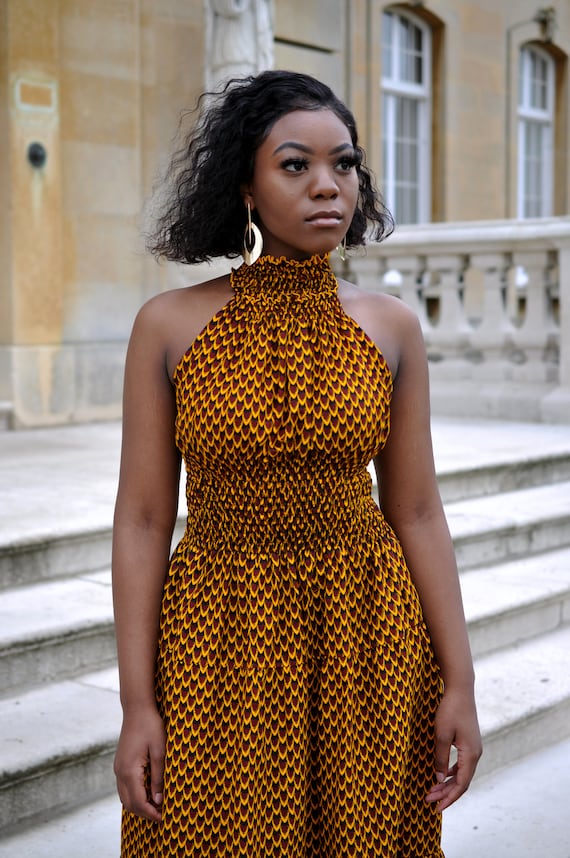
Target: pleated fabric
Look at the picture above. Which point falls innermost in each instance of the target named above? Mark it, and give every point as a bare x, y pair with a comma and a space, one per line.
295, 675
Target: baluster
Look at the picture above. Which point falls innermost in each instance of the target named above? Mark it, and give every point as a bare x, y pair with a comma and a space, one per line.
564, 299
452, 331
411, 269
532, 336
495, 331
367, 272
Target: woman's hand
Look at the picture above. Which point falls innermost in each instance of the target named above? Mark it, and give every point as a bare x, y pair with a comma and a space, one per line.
139, 762
455, 725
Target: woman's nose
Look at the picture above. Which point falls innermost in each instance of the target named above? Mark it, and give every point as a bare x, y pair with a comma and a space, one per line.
324, 184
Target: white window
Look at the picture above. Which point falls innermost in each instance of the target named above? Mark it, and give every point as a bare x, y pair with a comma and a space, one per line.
536, 120
406, 116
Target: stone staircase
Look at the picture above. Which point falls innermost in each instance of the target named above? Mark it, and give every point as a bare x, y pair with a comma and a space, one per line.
508, 506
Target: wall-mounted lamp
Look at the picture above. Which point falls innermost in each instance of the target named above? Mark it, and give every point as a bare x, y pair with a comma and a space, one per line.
37, 155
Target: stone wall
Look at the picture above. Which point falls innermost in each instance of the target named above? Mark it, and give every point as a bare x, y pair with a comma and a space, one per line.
99, 86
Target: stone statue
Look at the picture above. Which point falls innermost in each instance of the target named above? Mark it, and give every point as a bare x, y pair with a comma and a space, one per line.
239, 39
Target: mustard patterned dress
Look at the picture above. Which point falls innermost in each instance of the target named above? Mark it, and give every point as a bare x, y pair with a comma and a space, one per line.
295, 675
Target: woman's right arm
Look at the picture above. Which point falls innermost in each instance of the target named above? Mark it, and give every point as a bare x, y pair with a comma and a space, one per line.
145, 514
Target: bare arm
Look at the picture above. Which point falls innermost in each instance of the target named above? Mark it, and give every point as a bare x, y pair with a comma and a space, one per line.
411, 503
145, 515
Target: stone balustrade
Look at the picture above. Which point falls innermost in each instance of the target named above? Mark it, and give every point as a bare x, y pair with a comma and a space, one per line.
493, 298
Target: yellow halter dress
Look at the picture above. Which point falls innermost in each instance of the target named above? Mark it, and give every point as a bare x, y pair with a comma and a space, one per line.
295, 675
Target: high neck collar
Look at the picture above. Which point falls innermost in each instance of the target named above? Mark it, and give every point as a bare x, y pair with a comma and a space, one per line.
279, 276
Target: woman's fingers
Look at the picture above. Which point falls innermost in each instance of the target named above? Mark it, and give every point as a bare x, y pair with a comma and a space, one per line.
456, 727
134, 794
156, 776
456, 782
139, 765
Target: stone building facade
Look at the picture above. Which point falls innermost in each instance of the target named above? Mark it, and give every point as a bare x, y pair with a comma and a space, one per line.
90, 95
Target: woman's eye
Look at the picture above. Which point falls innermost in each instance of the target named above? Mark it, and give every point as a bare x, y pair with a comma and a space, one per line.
346, 164
294, 165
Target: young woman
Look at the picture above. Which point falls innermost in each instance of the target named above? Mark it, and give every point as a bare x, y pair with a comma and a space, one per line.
294, 677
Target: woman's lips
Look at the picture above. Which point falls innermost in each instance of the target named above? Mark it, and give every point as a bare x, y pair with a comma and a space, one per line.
325, 218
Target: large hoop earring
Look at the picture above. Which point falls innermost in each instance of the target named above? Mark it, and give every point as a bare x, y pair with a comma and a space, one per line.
252, 240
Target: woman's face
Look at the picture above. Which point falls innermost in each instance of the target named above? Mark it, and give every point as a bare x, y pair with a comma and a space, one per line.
305, 184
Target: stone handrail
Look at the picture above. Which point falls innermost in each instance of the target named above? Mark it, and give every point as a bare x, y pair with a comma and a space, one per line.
493, 298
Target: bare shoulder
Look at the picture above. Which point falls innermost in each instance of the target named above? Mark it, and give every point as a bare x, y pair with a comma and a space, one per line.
160, 308
389, 323
171, 321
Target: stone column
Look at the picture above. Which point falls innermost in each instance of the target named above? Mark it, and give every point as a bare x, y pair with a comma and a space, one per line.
239, 39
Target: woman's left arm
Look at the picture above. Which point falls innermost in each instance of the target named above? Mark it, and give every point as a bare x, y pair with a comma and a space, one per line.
411, 503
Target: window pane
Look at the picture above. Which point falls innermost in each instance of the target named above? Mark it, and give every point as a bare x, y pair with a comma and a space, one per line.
534, 166
410, 49
534, 80
539, 78
407, 159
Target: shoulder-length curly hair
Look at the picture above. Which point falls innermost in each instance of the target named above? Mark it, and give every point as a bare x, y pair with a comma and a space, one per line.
204, 216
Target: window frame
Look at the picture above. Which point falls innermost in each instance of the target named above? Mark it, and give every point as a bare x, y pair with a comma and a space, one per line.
528, 116
393, 89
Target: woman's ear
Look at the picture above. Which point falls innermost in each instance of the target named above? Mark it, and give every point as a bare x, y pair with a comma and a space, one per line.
247, 196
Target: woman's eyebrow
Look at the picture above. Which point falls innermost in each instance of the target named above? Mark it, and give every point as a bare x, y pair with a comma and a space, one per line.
290, 144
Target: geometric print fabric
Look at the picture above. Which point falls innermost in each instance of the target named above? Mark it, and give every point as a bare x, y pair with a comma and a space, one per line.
295, 675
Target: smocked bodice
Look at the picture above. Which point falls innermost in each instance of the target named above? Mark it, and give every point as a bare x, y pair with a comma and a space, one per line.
282, 401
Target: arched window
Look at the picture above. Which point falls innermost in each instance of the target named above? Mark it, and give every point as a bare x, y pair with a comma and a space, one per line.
535, 138
406, 116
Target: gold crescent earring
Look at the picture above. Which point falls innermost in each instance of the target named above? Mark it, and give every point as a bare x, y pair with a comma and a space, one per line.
252, 240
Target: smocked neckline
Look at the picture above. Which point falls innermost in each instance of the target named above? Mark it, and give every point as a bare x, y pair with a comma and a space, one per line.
281, 276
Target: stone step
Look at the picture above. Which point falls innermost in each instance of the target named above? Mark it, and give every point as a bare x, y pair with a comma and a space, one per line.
480, 457
56, 630
523, 694
57, 490
89, 831
482, 475
472, 480
44, 556
500, 527
57, 745
71, 551
517, 811
516, 601
58, 741
492, 820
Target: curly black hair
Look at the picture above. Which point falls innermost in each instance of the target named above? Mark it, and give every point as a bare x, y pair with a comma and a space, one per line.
204, 215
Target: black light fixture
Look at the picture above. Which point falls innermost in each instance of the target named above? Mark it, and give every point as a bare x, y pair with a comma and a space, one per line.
37, 155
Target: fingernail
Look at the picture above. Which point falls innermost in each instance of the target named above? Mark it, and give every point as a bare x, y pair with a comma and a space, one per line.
158, 798
440, 777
